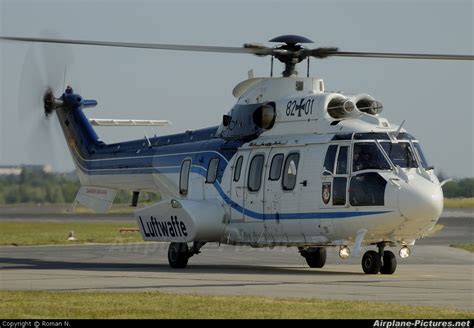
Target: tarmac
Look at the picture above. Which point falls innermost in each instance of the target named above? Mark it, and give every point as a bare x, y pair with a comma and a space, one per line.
434, 275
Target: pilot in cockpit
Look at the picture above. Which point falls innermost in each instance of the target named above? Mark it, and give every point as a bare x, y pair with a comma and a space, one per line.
364, 159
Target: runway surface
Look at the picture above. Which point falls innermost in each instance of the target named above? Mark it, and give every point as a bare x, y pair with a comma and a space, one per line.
435, 274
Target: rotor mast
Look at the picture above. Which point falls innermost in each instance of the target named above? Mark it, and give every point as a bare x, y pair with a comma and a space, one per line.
291, 52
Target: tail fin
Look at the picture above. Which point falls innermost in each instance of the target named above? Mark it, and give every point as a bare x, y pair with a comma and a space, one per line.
80, 136
83, 142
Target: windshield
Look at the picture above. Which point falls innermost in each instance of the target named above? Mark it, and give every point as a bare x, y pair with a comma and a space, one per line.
422, 157
367, 156
401, 154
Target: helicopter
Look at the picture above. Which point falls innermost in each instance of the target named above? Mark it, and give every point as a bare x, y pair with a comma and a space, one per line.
290, 164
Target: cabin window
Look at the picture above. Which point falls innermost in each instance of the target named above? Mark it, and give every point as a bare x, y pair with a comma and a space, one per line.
289, 171
339, 191
238, 168
367, 189
367, 156
212, 170
329, 160
342, 160
275, 167
255, 173
184, 177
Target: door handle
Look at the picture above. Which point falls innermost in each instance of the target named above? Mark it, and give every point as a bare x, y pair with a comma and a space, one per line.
304, 183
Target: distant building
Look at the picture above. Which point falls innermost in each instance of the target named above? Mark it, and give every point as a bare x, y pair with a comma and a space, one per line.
17, 169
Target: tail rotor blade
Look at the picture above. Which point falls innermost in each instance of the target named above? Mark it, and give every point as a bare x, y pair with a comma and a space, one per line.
42, 80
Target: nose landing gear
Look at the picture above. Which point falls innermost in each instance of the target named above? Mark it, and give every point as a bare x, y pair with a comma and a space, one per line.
384, 262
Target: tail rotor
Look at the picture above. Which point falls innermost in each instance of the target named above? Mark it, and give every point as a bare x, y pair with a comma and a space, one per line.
41, 85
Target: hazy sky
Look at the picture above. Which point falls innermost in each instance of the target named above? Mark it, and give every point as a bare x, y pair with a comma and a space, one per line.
193, 90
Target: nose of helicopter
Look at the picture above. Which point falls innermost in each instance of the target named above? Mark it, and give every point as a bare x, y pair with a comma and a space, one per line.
421, 200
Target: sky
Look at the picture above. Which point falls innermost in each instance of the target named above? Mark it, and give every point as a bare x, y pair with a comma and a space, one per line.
194, 90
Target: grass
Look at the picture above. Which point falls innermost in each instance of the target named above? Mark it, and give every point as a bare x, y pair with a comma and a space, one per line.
467, 247
64, 208
27, 233
152, 305
459, 202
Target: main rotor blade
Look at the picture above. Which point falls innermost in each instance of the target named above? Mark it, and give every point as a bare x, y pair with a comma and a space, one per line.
247, 49
250, 50
399, 55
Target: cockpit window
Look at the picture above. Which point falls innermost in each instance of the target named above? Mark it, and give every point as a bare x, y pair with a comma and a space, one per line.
371, 136
367, 156
422, 157
400, 154
342, 136
405, 136
342, 160
367, 189
330, 159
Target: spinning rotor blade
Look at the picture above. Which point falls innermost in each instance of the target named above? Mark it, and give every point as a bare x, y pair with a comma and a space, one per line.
290, 51
258, 50
42, 73
255, 49
397, 55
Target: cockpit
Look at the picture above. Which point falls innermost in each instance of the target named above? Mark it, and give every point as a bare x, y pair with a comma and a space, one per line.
381, 151
357, 165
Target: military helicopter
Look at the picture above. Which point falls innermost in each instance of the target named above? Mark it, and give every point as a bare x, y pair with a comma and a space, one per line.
290, 164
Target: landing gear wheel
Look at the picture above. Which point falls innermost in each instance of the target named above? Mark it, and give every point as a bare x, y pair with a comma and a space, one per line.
178, 255
371, 262
315, 256
389, 263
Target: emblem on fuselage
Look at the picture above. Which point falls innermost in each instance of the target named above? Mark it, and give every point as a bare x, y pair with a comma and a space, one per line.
326, 192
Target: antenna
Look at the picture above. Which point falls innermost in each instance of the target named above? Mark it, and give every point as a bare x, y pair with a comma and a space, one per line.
271, 68
307, 68
148, 141
250, 74
399, 129
64, 78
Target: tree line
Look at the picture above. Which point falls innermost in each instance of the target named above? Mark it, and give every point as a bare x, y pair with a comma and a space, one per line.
459, 188
34, 186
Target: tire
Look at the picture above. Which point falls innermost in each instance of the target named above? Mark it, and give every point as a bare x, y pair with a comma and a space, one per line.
178, 255
315, 257
371, 262
389, 263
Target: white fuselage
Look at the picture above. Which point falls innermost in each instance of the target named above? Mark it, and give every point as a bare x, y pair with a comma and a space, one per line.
277, 190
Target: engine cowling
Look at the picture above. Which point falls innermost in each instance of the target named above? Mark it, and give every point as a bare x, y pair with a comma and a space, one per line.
369, 105
340, 107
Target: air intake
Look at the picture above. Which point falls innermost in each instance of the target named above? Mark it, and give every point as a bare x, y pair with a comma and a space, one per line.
369, 105
340, 107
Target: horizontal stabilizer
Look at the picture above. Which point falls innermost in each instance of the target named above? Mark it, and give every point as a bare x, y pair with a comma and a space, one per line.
97, 198
121, 122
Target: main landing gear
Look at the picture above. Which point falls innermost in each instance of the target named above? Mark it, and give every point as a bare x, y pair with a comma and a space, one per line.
179, 253
315, 256
382, 261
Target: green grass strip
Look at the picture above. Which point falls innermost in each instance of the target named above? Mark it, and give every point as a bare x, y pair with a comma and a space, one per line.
459, 202
147, 305
467, 247
28, 233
